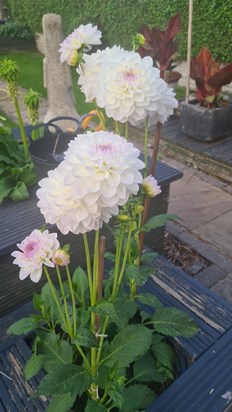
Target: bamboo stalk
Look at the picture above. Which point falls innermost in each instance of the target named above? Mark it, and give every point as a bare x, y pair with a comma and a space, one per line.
189, 49
147, 200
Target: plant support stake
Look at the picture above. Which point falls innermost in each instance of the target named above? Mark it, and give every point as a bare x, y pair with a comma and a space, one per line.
189, 49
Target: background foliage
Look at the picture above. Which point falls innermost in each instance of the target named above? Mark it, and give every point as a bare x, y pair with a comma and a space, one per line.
119, 20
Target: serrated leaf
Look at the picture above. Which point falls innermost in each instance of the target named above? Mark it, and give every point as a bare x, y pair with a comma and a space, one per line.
84, 337
71, 379
33, 365
61, 403
134, 397
127, 345
106, 308
81, 284
145, 369
93, 406
150, 300
23, 326
164, 354
110, 256
116, 397
157, 221
173, 322
55, 351
139, 274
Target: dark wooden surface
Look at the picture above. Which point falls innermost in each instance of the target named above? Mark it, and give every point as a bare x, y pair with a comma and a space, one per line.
214, 158
208, 380
17, 220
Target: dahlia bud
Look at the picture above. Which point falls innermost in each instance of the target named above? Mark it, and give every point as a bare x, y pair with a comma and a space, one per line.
73, 58
139, 209
61, 258
150, 186
123, 218
138, 41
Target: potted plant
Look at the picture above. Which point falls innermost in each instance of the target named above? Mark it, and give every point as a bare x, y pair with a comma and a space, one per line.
97, 344
209, 117
161, 45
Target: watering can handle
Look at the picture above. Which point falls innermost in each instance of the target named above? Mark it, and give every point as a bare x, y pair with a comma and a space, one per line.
61, 118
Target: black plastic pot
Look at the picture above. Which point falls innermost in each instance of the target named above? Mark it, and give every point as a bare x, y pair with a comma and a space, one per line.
47, 152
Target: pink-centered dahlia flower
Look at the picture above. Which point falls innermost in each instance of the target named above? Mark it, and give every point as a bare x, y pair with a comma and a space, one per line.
99, 173
150, 186
127, 86
90, 71
83, 37
37, 250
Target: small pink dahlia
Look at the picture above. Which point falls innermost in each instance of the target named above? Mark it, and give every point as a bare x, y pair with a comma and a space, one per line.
37, 250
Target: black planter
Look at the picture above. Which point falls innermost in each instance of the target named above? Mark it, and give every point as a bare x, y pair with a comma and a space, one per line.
47, 151
206, 124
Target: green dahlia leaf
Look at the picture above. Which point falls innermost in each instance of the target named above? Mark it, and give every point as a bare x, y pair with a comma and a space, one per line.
157, 221
23, 326
61, 403
33, 365
71, 379
84, 337
127, 345
173, 322
93, 406
145, 369
135, 397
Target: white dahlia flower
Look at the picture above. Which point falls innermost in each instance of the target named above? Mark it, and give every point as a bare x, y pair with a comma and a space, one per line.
98, 174
90, 71
84, 37
37, 250
130, 89
150, 186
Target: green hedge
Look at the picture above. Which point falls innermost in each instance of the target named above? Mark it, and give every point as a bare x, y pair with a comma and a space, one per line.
120, 19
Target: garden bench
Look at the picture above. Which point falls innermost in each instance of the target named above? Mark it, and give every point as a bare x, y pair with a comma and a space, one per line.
206, 386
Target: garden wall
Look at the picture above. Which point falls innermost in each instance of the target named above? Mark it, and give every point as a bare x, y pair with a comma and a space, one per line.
120, 19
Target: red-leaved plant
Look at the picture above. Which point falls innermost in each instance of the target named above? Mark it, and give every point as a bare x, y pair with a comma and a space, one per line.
209, 78
159, 44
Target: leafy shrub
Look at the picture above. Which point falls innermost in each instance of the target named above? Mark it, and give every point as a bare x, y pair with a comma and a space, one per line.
120, 20
14, 29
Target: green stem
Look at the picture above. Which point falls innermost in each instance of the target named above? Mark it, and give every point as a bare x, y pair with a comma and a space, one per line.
119, 244
84, 357
145, 147
88, 263
53, 290
104, 326
24, 138
127, 130
95, 267
73, 300
65, 301
95, 292
124, 259
117, 128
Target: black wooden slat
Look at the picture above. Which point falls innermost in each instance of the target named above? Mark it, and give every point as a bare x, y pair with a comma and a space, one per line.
199, 299
203, 387
13, 362
5, 396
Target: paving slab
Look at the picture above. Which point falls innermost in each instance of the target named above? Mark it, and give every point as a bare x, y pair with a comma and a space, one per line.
211, 275
224, 288
197, 202
218, 232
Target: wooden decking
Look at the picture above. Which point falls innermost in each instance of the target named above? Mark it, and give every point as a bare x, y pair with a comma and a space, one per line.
214, 158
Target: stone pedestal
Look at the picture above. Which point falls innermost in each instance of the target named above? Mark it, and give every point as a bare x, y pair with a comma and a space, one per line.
57, 75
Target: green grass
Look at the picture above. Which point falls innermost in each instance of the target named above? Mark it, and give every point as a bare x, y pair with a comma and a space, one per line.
180, 92
31, 76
